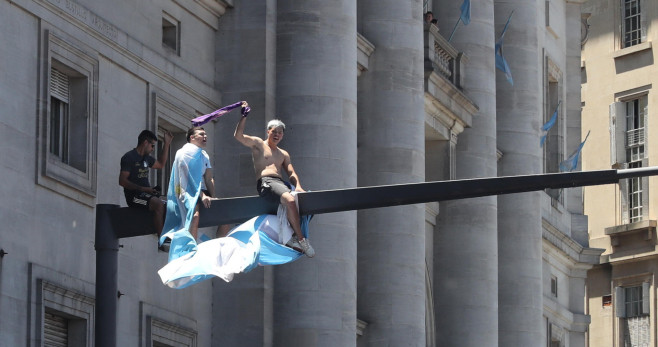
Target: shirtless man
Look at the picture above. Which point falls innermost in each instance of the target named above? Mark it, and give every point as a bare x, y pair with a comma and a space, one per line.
270, 162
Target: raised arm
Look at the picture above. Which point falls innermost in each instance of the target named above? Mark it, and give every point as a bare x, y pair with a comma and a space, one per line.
162, 158
247, 140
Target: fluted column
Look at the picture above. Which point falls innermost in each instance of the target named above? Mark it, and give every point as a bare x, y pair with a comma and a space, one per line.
391, 253
520, 114
245, 57
315, 299
465, 244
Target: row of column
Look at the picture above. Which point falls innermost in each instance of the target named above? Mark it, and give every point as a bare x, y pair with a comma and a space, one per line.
296, 60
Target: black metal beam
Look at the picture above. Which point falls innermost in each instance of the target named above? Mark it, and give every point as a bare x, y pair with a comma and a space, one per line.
233, 210
127, 222
114, 222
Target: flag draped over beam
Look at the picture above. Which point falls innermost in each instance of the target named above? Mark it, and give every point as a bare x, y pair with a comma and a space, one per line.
572, 162
501, 63
464, 16
259, 241
198, 121
546, 127
252, 243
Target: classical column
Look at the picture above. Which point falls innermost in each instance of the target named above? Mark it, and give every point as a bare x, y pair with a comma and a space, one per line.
520, 113
245, 57
573, 106
391, 252
465, 244
316, 69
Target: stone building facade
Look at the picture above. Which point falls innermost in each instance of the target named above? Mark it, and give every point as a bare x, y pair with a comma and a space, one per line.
370, 95
618, 69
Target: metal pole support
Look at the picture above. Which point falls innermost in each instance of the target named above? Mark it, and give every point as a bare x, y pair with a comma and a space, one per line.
107, 252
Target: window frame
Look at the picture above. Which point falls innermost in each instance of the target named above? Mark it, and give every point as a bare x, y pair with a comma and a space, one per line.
157, 327
620, 150
620, 33
644, 305
555, 144
67, 55
171, 33
173, 115
68, 297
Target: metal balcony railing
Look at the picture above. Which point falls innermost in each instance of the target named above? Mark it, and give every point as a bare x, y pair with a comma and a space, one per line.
635, 137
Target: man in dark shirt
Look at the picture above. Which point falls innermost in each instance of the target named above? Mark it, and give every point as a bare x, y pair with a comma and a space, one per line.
134, 175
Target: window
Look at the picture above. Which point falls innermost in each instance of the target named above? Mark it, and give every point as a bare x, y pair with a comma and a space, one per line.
553, 146
554, 286
67, 318
628, 141
61, 329
555, 335
633, 308
169, 114
162, 176
633, 23
157, 329
170, 33
68, 115
635, 141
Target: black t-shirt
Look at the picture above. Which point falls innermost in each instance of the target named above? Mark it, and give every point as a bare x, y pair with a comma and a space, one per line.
138, 166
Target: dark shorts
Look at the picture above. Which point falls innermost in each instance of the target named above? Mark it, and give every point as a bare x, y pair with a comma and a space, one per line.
139, 200
272, 188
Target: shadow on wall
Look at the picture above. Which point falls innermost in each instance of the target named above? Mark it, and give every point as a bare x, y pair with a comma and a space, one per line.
634, 61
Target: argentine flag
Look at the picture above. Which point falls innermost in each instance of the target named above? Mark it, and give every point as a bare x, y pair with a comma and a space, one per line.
259, 241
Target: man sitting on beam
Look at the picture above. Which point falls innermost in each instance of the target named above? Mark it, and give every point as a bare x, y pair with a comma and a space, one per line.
270, 162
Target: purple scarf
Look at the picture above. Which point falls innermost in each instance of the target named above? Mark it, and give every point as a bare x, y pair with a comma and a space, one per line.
218, 113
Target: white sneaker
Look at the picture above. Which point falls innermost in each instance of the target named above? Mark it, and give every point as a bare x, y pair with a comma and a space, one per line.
293, 243
307, 248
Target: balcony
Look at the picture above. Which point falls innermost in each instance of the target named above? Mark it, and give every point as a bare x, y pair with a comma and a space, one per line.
448, 109
632, 241
441, 57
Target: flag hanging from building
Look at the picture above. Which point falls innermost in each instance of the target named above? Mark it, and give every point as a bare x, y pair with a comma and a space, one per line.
501, 63
572, 162
198, 121
546, 127
464, 16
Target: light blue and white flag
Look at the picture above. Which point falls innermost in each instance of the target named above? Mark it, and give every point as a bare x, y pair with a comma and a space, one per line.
464, 17
572, 162
248, 245
259, 241
546, 127
501, 63
465, 13
184, 190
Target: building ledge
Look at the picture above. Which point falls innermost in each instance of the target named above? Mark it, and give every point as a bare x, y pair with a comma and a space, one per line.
630, 256
631, 230
632, 50
631, 227
364, 51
